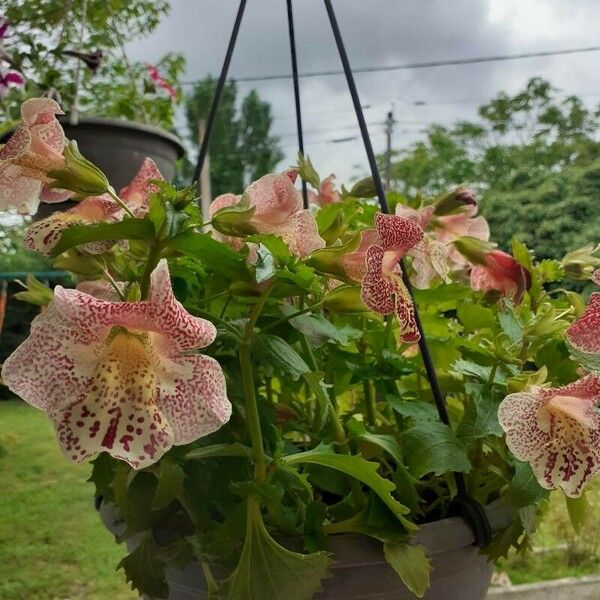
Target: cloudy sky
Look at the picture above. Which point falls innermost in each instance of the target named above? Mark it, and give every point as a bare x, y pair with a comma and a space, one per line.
380, 33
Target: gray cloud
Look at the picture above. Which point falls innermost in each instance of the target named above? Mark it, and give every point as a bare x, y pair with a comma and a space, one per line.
382, 32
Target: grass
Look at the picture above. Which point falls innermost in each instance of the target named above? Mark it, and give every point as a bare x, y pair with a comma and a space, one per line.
53, 546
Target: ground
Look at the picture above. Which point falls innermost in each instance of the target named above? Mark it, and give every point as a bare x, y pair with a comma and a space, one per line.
52, 545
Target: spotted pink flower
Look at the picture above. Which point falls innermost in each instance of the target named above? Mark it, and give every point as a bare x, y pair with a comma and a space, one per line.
583, 336
121, 377
355, 263
43, 235
429, 255
557, 431
278, 210
34, 148
501, 273
464, 223
382, 287
327, 193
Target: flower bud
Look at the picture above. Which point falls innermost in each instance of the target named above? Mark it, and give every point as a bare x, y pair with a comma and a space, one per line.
473, 249
450, 202
79, 175
235, 220
581, 263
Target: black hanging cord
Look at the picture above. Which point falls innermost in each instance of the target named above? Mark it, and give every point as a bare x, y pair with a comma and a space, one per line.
290, 16
472, 510
218, 92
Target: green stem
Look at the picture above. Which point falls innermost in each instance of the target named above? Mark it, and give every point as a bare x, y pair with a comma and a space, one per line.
260, 467
369, 402
153, 258
490, 383
118, 200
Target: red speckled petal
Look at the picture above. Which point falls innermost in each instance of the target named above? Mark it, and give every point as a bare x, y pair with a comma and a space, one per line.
596, 277
377, 290
397, 233
354, 263
299, 232
193, 397
275, 199
43, 235
557, 431
50, 133
137, 192
18, 191
34, 108
584, 333
179, 330
18, 145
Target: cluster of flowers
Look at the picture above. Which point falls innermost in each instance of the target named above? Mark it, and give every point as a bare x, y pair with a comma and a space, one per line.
117, 375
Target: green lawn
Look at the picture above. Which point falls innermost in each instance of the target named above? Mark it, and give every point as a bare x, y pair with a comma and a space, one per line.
52, 545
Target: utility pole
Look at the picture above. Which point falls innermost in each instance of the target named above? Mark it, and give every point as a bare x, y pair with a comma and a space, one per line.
389, 128
204, 181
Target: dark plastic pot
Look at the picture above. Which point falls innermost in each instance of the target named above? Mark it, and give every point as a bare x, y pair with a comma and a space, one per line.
360, 571
118, 148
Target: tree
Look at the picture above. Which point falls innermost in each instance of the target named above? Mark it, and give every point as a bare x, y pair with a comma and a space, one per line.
533, 158
241, 147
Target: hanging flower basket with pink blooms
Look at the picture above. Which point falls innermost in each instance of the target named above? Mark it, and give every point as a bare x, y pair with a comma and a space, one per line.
252, 398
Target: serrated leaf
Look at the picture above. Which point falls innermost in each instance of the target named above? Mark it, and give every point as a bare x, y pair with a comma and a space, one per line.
466, 367
145, 570
419, 410
264, 265
170, 484
307, 171
475, 317
524, 488
510, 325
411, 564
127, 229
268, 570
359, 468
276, 352
214, 254
431, 447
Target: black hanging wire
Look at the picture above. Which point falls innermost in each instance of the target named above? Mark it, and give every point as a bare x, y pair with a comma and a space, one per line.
214, 107
290, 16
472, 510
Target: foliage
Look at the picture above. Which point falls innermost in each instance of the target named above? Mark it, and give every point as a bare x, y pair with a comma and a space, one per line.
333, 427
533, 157
41, 33
241, 147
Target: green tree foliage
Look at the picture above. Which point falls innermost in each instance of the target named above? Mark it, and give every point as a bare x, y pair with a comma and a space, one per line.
534, 159
241, 148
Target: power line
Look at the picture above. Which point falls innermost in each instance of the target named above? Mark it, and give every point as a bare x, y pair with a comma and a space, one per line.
419, 65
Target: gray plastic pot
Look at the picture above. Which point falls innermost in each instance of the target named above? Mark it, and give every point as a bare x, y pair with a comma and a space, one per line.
118, 148
360, 571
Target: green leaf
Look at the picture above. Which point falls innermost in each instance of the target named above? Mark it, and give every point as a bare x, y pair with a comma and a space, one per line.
359, 468
431, 447
466, 367
267, 570
127, 229
170, 484
345, 299
144, 569
318, 329
216, 255
511, 327
411, 564
265, 264
307, 171
475, 317
276, 352
235, 220
37, 293
386, 442
238, 450
578, 511
419, 410
364, 188
315, 381
524, 488
522, 254
276, 246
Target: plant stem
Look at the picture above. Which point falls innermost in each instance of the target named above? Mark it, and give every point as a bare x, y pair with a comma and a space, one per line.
260, 468
120, 202
369, 402
153, 258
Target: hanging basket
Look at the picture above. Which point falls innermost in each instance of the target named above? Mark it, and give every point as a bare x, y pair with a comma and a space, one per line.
360, 570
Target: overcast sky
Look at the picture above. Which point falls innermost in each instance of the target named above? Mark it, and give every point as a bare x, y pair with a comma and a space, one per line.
379, 33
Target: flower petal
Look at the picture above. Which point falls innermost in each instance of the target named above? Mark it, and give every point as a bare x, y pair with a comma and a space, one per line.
42, 236
222, 201
179, 330
18, 144
397, 233
34, 108
354, 263
377, 290
299, 232
193, 397
17, 190
584, 334
275, 199
137, 192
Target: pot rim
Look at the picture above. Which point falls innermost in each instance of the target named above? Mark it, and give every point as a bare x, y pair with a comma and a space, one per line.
123, 124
